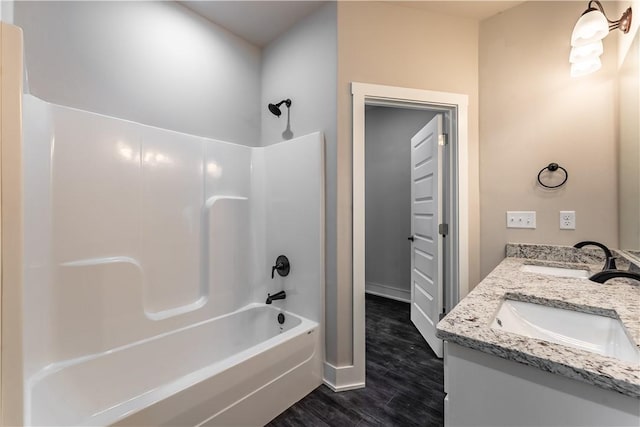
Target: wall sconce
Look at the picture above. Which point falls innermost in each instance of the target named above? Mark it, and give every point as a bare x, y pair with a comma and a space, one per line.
586, 39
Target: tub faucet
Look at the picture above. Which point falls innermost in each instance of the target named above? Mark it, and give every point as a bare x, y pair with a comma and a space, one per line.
603, 276
610, 262
277, 295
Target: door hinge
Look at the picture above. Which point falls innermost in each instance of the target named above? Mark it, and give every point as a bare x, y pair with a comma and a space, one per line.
443, 229
443, 139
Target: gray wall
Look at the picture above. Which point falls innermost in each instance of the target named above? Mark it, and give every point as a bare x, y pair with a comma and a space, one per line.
155, 63
302, 65
388, 133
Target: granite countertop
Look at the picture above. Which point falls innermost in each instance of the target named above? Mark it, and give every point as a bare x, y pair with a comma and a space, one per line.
468, 324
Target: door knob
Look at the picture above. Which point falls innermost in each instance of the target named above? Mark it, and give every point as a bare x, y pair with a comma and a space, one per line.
410, 238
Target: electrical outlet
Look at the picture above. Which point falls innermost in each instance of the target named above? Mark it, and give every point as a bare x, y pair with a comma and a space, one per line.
521, 219
567, 220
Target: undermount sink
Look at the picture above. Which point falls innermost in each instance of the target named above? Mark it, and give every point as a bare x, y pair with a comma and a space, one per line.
556, 271
591, 332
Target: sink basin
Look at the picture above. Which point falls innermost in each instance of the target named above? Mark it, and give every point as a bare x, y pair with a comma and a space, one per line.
590, 332
556, 271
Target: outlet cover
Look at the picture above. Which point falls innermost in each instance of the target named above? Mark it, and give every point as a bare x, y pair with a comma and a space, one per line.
567, 220
521, 219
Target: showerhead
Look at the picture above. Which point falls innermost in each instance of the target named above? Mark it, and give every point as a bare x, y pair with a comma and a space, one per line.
275, 108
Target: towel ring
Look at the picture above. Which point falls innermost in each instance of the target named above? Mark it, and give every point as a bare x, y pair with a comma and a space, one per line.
552, 167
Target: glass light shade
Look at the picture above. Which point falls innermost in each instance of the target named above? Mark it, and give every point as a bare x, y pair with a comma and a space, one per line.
583, 53
591, 27
586, 67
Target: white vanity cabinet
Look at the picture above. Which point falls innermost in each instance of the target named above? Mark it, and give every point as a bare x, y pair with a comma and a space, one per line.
486, 390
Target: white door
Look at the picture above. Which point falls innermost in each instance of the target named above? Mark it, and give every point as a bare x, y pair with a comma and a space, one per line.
426, 245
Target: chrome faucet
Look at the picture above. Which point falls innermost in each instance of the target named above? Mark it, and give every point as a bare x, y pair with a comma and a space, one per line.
277, 295
603, 276
610, 262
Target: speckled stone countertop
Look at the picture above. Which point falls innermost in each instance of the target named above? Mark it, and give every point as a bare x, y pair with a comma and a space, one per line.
468, 324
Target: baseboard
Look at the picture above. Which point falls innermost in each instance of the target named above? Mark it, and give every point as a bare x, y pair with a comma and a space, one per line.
343, 378
388, 292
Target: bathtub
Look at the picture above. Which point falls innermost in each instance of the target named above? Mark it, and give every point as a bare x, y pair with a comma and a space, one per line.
243, 368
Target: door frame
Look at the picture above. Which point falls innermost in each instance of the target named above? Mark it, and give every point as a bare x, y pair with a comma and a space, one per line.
457, 104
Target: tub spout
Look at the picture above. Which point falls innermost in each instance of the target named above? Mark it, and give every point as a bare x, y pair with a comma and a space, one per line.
278, 295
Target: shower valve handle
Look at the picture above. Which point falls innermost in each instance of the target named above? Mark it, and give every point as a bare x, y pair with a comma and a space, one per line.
282, 266
274, 268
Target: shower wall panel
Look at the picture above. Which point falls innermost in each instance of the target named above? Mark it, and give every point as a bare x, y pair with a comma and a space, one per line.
293, 186
227, 252
37, 289
227, 209
172, 190
95, 188
118, 216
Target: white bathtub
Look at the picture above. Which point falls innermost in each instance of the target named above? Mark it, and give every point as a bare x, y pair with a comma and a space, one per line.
243, 368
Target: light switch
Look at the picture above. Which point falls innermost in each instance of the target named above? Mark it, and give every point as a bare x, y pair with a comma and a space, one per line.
521, 219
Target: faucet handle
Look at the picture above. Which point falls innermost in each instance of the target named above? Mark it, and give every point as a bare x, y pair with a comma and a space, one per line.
282, 266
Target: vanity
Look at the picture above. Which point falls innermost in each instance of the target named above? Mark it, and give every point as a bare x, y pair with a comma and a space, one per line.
537, 343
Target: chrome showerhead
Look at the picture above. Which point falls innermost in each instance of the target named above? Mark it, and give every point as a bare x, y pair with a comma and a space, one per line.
275, 108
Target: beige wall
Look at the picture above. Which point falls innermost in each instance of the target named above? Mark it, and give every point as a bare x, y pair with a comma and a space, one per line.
629, 128
629, 147
11, 203
533, 113
396, 45
625, 41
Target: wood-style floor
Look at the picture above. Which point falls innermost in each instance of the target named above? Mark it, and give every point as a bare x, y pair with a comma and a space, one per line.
404, 379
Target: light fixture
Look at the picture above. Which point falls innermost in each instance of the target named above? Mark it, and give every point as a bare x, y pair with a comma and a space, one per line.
582, 53
585, 67
586, 39
594, 25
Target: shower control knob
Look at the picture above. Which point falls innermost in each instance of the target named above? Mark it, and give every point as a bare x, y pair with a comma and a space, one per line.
282, 266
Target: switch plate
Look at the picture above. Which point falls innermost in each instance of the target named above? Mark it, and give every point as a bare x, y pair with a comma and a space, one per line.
567, 220
521, 219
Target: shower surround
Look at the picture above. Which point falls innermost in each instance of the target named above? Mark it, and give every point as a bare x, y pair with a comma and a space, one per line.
148, 259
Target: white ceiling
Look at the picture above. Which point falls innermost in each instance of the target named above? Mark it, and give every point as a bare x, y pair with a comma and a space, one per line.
258, 22
262, 21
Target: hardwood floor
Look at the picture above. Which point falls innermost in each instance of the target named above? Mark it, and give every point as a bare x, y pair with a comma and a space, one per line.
404, 379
